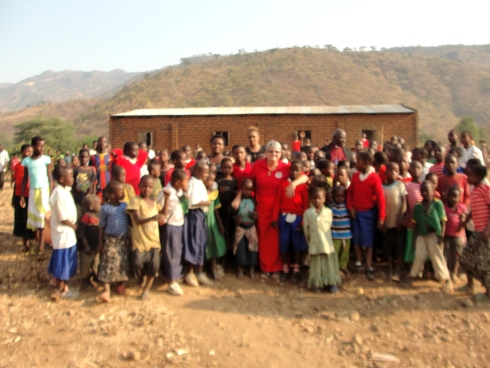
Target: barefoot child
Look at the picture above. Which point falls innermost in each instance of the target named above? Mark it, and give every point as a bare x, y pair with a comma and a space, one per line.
20, 212
172, 230
216, 246
85, 179
288, 217
88, 239
246, 242
454, 237
64, 261
195, 236
324, 266
476, 255
367, 207
393, 230
114, 242
145, 236
341, 228
36, 173
430, 219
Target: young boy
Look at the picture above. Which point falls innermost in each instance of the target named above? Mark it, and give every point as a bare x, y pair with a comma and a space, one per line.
154, 170
327, 168
454, 237
102, 161
393, 231
432, 177
288, 213
342, 177
172, 229
365, 193
420, 154
118, 174
85, 179
145, 237
404, 168
439, 156
341, 228
430, 219
452, 179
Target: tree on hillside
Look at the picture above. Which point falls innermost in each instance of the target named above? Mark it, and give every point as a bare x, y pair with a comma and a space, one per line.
57, 133
469, 124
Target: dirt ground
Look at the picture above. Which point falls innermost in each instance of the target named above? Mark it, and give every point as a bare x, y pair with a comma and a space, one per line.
236, 323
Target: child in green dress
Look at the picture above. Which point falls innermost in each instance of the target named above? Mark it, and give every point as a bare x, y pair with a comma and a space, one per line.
216, 246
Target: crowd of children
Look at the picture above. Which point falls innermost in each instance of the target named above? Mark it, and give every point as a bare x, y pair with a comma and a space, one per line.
119, 214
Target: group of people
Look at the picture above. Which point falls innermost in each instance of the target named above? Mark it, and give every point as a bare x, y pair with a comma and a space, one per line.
119, 213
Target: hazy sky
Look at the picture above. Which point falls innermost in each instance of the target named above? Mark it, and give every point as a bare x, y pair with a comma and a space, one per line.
142, 35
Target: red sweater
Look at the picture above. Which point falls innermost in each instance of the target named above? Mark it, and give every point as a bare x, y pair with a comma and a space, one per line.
133, 171
168, 175
297, 205
364, 195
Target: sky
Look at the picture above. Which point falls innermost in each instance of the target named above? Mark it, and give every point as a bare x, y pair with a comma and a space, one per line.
144, 35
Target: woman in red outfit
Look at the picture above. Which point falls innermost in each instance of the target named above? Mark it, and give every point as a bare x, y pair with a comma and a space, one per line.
268, 174
132, 159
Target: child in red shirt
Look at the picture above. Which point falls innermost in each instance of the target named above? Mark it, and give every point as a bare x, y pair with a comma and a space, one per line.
241, 167
132, 159
454, 180
367, 206
289, 214
179, 159
440, 156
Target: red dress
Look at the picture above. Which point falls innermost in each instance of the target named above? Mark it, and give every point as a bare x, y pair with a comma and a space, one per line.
267, 184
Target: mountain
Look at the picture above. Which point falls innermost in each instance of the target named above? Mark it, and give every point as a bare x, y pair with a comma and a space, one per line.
441, 85
61, 86
5, 85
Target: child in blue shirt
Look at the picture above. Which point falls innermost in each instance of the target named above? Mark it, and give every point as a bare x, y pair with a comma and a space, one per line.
341, 232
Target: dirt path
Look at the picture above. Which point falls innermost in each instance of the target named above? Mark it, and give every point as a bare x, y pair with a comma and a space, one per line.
249, 323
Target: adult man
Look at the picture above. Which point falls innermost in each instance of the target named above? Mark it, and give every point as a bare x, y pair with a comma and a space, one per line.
470, 150
4, 160
337, 150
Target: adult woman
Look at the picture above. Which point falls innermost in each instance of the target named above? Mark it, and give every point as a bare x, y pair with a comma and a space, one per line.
267, 175
254, 148
216, 156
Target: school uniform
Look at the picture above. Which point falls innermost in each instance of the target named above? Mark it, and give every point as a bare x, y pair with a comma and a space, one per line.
171, 234
196, 232
64, 259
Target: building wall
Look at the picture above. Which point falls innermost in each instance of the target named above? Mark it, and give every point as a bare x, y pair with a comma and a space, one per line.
173, 132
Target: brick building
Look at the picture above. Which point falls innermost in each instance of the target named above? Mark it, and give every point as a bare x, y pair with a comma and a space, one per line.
172, 128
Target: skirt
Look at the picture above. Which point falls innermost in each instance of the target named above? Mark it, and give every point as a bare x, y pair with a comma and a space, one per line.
409, 256
37, 207
114, 259
475, 259
324, 271
172, 248
20, 221
363, 228
195, 237
63, 263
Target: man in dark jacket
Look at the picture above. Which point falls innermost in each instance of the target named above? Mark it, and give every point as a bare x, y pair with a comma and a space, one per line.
337, 150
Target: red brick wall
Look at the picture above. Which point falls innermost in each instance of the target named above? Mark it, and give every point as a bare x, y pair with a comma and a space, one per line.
173, 132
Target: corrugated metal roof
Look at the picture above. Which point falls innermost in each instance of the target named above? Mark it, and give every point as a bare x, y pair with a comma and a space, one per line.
306, 110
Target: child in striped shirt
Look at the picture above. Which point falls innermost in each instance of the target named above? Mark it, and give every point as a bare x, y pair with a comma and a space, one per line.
341, 232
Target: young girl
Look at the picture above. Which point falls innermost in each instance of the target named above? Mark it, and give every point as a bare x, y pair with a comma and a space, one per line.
342, 179
88, 239
178, 160
85, 179
246, 242
172, 229
367, 206
327, 168
195, 236
227, 187
114, 242
36, 173
241, 167
165, 165
404, 167
132, 159
20, 214
64, 259
118, 174
144, 212
324, 266
413, 197
216, 246
476, 254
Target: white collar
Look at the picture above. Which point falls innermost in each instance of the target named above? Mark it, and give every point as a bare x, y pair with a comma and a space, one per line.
132, 160
61, 187
369, 172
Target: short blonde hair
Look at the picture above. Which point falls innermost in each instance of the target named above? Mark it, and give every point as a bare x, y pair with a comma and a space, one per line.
273, 144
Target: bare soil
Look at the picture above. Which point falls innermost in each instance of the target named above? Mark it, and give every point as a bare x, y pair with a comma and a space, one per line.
243, 323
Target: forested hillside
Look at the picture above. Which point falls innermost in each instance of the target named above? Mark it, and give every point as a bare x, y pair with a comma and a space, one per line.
442, 89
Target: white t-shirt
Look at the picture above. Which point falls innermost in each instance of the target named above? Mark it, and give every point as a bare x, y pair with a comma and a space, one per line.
425, 171
151, 154
471, 152
62, 209
196, 193
4, 160
394, 194
174, 209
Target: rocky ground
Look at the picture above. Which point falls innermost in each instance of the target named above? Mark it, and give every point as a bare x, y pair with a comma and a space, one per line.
236, 323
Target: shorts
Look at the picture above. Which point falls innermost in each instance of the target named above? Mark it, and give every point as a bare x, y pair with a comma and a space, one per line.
394, 243
363, 228
289, 235
146, 263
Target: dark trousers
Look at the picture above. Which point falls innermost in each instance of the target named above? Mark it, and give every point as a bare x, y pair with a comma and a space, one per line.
2, 179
